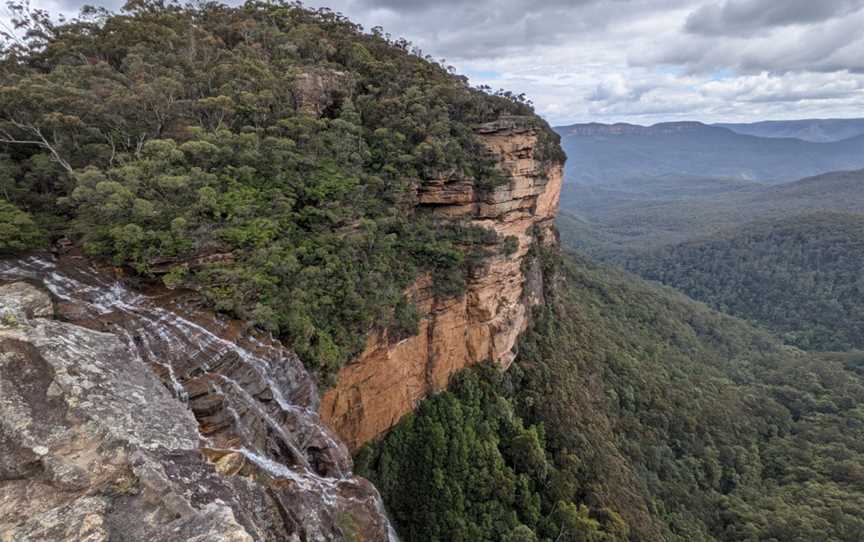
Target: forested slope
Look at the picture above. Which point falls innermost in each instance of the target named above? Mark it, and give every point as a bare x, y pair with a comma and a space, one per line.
647, 213
266, 155
800, 276
634, 412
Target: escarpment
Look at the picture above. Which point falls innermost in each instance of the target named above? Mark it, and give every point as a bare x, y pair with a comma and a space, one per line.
278, 170
141, 417
387, 380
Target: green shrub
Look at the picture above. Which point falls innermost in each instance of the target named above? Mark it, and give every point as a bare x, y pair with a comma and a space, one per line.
18, 231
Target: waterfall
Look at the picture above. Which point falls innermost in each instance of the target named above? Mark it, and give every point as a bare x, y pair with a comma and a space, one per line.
250, 394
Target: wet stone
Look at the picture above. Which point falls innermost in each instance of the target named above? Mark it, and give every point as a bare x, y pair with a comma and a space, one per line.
140, 417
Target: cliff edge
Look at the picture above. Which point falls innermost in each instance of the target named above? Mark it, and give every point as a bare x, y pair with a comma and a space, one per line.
386, 381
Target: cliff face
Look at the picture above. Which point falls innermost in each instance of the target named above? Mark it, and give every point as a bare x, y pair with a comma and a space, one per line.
387, 380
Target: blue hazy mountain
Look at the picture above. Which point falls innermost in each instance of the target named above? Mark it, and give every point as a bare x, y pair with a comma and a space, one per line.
815, 130
601, 154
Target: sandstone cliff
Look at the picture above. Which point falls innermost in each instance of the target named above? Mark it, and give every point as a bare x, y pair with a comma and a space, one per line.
387, 380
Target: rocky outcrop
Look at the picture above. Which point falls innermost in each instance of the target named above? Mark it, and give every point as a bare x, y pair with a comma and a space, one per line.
142, 418
318, 90
387, 380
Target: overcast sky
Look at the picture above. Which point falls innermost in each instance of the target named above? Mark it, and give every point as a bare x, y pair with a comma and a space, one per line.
639, 61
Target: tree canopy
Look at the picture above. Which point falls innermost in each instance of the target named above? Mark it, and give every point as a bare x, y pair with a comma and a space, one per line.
266, 155
634, 413
800, 276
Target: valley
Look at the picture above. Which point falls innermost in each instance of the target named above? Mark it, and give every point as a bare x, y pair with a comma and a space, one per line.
785, 256
650, 212
599, 153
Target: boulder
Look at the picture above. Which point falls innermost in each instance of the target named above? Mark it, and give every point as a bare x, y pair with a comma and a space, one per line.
22, 301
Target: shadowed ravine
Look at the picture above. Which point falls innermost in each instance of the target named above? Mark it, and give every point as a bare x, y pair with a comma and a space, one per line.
255, 404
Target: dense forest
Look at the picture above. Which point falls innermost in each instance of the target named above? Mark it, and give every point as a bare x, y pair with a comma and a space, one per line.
264, 155
634, 413
619, 218
799, 276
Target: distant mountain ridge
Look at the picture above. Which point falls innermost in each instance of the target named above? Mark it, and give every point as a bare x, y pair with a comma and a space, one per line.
810, 130
623, 128
813, 130
603, 154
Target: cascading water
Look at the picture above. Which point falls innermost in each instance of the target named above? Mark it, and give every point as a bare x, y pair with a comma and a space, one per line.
254, 401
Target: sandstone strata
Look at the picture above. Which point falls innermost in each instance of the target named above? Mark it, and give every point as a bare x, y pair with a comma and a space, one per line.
318, 89
148, 420
387, 380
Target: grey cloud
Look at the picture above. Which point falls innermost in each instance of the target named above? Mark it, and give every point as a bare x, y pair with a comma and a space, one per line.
504, 5
746, 17
618, 90
458, 29
764, 89
835, 45
638, 60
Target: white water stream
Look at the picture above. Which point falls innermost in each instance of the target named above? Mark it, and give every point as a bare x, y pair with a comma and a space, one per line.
268, 398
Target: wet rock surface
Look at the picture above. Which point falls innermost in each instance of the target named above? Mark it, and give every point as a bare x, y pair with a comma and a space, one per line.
137, 417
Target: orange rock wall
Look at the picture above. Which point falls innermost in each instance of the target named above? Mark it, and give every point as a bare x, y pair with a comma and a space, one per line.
387, 380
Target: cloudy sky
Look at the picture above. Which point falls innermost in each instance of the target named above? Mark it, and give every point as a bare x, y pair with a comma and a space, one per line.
640, 61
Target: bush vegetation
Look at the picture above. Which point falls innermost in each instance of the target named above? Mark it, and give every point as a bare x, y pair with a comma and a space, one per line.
799, 276
286, 137
18, 231
632, 411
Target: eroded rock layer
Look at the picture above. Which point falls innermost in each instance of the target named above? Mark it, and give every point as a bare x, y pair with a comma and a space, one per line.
137, 417
387, 380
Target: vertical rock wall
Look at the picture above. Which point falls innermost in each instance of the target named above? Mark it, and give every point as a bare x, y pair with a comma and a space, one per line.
388, 379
